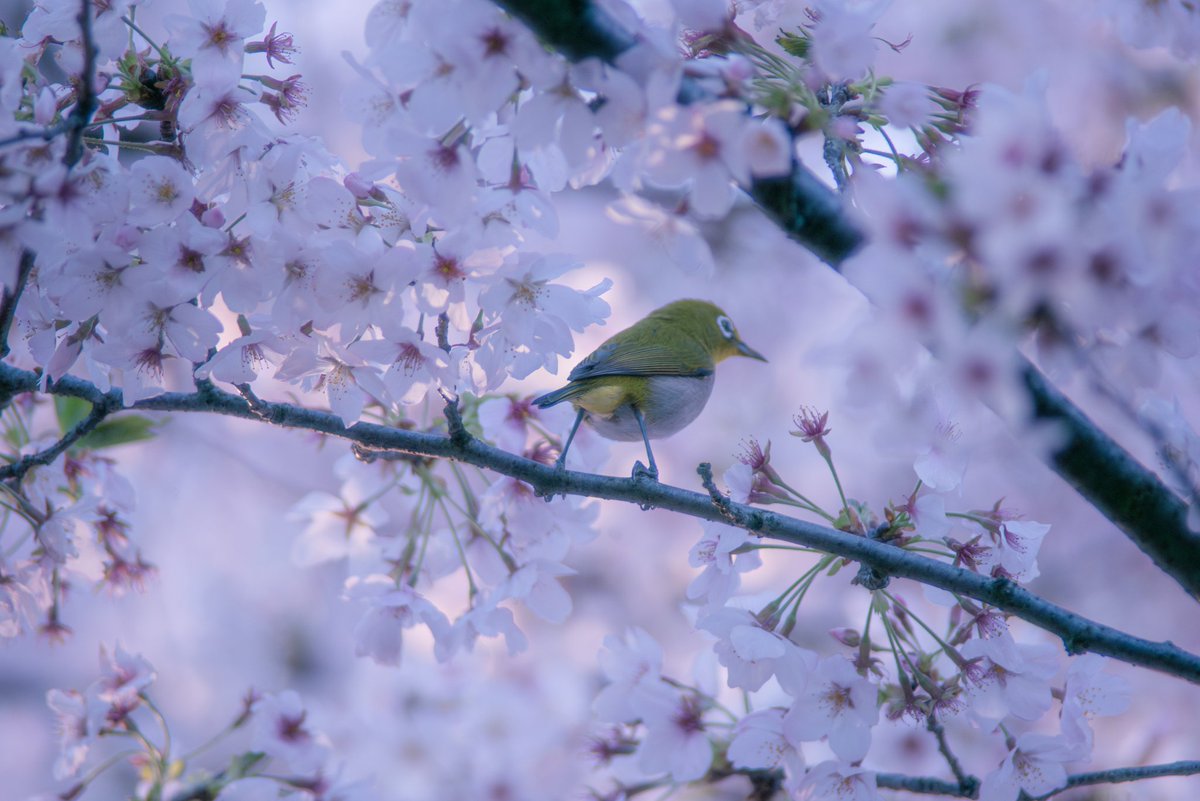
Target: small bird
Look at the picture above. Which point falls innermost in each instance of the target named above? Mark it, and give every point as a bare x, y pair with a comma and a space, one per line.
651, 379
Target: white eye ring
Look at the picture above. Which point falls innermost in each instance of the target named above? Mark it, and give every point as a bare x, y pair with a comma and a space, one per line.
726, 326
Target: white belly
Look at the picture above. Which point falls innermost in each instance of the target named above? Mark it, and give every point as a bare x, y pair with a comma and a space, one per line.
672, 403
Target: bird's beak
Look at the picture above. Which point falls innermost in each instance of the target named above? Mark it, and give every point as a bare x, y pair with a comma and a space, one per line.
746, 350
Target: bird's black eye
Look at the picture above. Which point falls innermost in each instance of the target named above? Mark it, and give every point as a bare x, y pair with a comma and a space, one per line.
726, 326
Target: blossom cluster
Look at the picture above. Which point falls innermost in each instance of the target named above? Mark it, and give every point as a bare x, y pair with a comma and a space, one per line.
219, 248
975, 670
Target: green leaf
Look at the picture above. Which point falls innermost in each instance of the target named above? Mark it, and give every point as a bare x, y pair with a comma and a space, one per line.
794, 44
118, 431
70, 411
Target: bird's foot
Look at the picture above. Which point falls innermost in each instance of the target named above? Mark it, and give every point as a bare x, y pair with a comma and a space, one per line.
641, 471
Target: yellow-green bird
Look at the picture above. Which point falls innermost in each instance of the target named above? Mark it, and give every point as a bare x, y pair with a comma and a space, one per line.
651, 379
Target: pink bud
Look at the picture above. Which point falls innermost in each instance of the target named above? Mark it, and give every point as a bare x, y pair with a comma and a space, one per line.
359, 187
847, 637
213, 218
127, 237
45, 107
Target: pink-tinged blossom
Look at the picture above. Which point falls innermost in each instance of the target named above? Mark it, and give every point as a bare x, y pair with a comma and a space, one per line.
537, 585
836, 703
391, 608
244, 359
136, 363
1091, 692
751, 653
414, 366
843, 45
633, 666
486, 618
703, 146
159, 312
79, 719
213, 35
442, 272
907, 104
506, 422
1015, 551
1035, 766
837, 780
671, 234
281, 729
676, 740
123, 677
1009, 679
942, 460
159, 191
343, 525
184, 254
768, 148
759, 744
348, 381
714, 552
531, 317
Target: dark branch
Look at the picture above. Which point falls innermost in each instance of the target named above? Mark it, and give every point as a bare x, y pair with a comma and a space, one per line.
10, 299
85, 95
968, 785
1144, 508
1134, 498
17, 470
1120, 775
920, 784
1078, 633
807, 209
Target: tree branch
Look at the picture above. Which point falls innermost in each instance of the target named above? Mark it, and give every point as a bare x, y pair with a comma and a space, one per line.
1078, 633
1124, 491
17, 470
12, 296
968, 785
85, 98
1120, 775
1130, 495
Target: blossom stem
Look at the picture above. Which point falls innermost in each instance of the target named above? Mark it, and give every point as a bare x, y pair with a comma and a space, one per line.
162, 54
920, 623
162, 723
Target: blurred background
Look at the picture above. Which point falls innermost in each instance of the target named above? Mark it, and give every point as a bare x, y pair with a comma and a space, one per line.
230, 611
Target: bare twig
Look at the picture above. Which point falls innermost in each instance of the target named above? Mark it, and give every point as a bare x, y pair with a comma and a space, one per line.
1078, 633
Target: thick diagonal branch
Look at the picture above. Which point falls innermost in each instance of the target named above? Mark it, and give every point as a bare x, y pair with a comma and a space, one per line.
1130, 495
1078, 633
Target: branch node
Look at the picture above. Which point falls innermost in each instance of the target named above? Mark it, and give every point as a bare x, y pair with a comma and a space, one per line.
454, 422
870, 577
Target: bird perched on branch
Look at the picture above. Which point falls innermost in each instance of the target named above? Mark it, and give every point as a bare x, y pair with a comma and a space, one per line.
653, 378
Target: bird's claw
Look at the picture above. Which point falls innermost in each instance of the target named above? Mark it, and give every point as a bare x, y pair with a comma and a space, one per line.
641, 471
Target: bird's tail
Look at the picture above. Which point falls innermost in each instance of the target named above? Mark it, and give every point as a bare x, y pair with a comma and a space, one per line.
557, 396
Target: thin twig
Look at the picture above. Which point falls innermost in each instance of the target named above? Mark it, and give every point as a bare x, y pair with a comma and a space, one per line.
17, 470
969, 785
85, 98
1078, 633
1131, 496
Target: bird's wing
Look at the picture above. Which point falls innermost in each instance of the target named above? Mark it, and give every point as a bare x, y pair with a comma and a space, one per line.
648, 358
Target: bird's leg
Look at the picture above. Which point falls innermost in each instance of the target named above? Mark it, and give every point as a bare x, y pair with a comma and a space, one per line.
561, 461
639, 469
